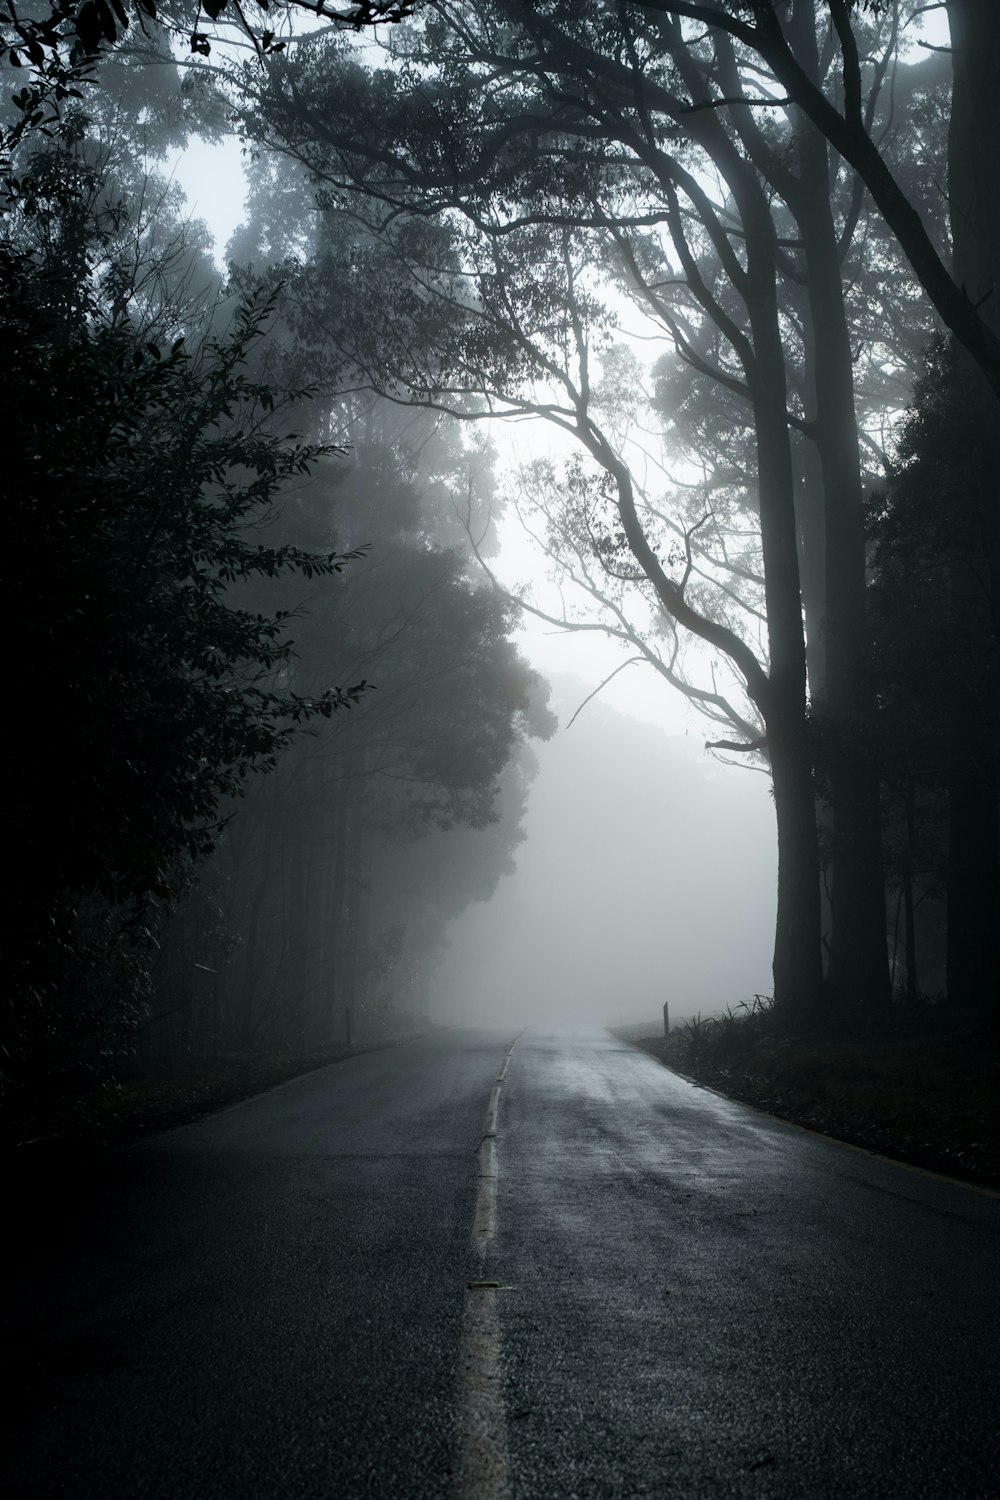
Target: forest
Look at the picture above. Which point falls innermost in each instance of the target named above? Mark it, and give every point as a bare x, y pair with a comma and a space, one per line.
734, 260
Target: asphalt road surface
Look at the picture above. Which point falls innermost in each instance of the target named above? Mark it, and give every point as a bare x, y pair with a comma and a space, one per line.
467, 1269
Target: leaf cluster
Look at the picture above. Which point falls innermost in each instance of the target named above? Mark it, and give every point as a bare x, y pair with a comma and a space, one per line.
135, 472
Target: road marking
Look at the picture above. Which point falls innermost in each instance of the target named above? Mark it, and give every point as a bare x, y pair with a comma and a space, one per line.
506, 1057
488, 1159
483, 1470
484, 1220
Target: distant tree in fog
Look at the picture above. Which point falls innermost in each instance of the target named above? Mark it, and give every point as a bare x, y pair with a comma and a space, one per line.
310, 873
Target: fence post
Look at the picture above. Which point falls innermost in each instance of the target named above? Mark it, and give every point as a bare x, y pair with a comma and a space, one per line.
666, 1019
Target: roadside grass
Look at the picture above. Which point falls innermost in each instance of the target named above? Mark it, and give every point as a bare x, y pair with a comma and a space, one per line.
114, 1112
923, 1087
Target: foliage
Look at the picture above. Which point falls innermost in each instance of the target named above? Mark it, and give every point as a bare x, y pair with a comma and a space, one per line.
921, 1087
703, 1040
57, 49
341, 870
934, 622
924, 529
135, 472
515, 161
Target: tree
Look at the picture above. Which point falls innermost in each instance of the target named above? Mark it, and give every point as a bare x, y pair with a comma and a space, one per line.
530, 295
602, 126
163, 695
58, 48
340, 870
849, 133
937, 670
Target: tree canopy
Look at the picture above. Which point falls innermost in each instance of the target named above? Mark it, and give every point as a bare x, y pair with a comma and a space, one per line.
491, 208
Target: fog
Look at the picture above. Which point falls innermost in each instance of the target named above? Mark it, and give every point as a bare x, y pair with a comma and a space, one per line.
647, 874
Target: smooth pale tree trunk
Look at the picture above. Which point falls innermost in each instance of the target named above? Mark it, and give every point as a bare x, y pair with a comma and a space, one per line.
832, 539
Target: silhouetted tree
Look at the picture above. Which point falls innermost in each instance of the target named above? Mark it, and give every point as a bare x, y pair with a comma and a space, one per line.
936, 663
133, 469
309, 860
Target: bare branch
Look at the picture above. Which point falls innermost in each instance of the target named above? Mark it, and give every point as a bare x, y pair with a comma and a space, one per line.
738, 746
610, 677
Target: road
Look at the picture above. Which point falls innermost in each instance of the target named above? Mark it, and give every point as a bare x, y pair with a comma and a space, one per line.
400, 1277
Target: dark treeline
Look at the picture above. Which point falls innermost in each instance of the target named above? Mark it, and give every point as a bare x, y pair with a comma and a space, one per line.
235, 517
281, 724
328, 895
932, 532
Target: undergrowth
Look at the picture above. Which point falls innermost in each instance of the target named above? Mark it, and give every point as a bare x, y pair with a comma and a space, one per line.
114, 1112
922, 1085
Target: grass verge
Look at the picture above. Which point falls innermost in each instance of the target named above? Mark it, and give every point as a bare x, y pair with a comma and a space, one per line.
923, 1088
116, 1112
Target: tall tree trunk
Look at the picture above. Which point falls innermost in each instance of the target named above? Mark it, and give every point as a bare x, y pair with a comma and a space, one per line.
798, 968
812, 541
798, 974
798, 978
859, 966
812, 572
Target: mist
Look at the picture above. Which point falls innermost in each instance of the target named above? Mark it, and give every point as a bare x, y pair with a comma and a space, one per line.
646, 875
427, 425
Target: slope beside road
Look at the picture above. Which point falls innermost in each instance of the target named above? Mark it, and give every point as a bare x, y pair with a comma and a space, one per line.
460, 1269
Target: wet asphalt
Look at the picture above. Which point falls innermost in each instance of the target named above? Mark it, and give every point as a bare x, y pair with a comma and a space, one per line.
706, 1302
696, 1300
